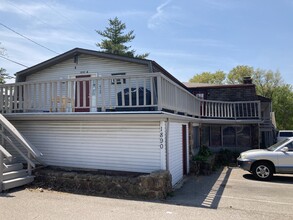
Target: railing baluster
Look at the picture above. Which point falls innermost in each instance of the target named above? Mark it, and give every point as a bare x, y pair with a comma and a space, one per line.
84, 101
96, 82
78, 94
67, 99
103, 94
254, 105
45, 96
40, 100
109, 93
50, 96
20, 97
72, 95
55, 96
90, 94
15, 102
137, 92
159, 88
152, 91
130, 93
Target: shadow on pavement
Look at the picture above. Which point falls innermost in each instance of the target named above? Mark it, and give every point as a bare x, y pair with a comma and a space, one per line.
285, 179
7, 194
202, 191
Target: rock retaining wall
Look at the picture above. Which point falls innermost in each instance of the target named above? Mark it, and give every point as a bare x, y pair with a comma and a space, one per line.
156, 185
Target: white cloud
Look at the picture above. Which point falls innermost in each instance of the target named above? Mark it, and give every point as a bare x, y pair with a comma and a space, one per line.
160, 15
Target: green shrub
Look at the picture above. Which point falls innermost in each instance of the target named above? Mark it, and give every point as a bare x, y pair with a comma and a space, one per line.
203, 154
226, 157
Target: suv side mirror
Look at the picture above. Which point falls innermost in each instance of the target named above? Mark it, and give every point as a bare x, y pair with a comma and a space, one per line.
285, 149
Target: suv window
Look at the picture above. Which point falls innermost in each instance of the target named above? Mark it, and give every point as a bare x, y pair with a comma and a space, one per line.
290, 146
286, 134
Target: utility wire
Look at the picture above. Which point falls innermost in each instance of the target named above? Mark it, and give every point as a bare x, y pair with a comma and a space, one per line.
28, 38
25, 12
57, 13
13, 61
65, 17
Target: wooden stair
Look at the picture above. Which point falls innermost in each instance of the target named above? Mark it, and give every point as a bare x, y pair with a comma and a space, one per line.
14, 175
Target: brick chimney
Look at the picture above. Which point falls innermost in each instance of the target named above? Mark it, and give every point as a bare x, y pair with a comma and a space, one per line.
247, 80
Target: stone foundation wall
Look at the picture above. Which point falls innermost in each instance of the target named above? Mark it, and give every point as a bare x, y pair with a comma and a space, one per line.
156, 185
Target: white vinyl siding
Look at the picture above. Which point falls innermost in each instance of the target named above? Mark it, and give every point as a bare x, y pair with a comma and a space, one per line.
175, 156
86, 65
122, 146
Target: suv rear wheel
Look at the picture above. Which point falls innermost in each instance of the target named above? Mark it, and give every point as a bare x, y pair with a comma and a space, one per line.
262, 170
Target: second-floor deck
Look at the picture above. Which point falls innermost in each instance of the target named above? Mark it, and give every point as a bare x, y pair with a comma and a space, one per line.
141, 92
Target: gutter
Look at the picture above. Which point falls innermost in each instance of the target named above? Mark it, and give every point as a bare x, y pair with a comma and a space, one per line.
121, 116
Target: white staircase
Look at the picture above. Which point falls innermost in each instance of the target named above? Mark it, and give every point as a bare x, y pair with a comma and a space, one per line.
14, 175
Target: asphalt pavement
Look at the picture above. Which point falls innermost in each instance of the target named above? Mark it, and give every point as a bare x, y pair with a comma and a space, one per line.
229, 193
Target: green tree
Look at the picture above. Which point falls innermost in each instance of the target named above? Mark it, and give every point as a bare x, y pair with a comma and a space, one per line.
237, 74
282, 101
3, 74
207, 77
115, 40
266, 81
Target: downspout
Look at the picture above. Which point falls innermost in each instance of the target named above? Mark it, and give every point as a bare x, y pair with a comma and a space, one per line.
167, 143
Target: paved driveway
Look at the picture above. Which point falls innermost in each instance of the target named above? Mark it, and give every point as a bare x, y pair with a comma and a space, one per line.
227, 194
234, 189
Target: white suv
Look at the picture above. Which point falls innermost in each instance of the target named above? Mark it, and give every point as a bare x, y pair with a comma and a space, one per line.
263, 163
283, 134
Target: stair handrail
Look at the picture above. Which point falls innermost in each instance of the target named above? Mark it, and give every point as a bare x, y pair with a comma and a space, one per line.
16, 134
3, 153
28, 160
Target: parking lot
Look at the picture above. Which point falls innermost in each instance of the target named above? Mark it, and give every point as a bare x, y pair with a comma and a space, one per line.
235, 189
229, 193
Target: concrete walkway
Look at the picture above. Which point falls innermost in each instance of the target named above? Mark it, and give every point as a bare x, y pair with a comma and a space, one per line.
201, 191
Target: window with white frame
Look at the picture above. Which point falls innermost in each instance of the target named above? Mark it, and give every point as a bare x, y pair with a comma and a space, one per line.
118, 81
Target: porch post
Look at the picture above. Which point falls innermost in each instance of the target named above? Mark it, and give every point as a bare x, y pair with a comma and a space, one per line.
159, 86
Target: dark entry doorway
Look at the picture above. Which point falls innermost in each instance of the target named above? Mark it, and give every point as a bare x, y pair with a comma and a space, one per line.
82, 93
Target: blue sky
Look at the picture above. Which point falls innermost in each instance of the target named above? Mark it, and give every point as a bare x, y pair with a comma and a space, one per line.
185, 37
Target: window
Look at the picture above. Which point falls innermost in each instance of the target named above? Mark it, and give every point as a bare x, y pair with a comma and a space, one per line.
200, 95
229, 136
205, 136
216, 136
290, 146
118, 81
243, 136
286, 133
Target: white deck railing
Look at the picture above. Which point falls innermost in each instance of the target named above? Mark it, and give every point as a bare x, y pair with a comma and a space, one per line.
141, 92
